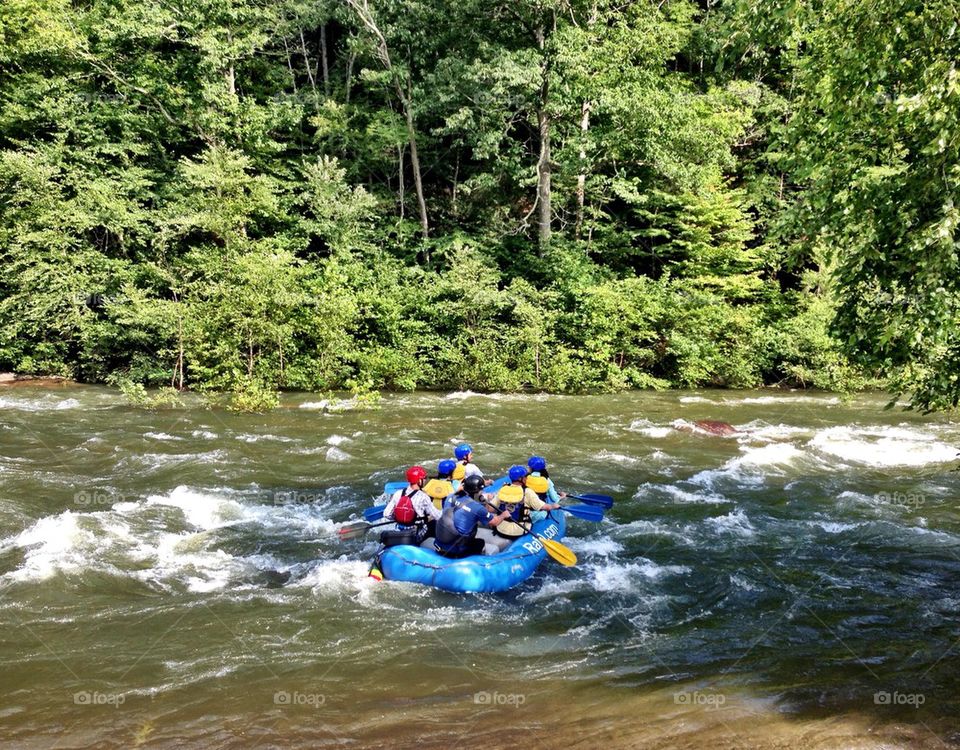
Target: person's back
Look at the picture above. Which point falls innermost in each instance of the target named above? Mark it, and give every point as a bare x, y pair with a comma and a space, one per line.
411, 506
519, 500
456, 531
540, 482
465, 465
443, 485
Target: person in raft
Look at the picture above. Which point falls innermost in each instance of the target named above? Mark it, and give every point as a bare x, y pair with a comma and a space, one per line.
540, 482
465, 465
443, 485
457, 528
411, 506
519, 500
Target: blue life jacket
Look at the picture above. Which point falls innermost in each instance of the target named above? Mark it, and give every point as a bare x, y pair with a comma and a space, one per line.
459, 522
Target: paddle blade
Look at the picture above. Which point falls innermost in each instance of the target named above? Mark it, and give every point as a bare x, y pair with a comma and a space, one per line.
586, 512
390, 487
353, 530
602, 501
375, 513
559, 552
497, 484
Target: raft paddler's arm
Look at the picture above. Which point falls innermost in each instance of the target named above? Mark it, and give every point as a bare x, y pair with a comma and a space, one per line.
497, 520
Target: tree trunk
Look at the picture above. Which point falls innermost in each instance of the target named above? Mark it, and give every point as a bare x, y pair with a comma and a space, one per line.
323, 60
543, 163
177, 379
456, 184
306, 62
582, 177
402, 191
415, 166
293, 76
349, 81
230, 75
362, 9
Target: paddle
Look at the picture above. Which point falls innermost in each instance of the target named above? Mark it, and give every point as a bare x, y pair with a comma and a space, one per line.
603, 501
559, 552
376, 512
357, 529
586, 512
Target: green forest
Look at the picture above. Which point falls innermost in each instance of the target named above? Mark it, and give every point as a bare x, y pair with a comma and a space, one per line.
242, 197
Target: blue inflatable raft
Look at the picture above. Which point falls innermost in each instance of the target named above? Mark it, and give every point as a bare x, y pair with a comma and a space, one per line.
478, 573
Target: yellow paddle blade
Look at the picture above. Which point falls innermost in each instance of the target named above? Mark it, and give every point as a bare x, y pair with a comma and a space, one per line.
559, 552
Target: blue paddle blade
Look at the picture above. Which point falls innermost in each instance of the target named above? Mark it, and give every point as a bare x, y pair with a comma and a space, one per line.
601, 501
374, 514
586, 512
390, 487
497, 484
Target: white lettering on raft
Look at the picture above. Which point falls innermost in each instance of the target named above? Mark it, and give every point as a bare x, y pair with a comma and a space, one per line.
533, 546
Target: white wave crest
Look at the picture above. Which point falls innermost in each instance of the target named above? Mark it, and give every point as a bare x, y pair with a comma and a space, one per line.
883, 447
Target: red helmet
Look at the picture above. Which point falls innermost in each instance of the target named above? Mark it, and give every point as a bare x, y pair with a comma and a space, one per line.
416, 474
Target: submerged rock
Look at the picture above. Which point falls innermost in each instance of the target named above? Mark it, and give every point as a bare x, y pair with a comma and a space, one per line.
710, 426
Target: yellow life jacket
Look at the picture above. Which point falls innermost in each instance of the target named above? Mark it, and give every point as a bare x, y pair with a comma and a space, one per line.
538, 484
460, 471
438, 489
512, 495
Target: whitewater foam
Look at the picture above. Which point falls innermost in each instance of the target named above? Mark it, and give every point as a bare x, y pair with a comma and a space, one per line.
735, 522
883, 447
161, 436
131, 540
50, 403
649, 429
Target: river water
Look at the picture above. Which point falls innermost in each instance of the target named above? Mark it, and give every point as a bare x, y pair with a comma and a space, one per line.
172, 578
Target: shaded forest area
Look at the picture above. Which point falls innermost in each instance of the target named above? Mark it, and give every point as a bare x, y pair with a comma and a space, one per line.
557, 195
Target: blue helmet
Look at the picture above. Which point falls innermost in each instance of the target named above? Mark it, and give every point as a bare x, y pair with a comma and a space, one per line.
462, 451
517, 472
446, 467
537, 463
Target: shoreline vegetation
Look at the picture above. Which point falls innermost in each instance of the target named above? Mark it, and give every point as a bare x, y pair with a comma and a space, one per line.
243, 198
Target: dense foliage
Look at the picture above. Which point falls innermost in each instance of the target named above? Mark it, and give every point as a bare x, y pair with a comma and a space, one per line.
240, 195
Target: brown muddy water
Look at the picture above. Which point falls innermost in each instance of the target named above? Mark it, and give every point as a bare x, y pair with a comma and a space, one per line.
173, 578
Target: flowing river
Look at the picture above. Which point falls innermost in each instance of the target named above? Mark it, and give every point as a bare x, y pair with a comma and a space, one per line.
172, 578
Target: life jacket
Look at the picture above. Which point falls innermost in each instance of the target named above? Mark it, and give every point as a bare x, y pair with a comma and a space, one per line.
438, 489
511, 495
448, 537
403, 512
539, 484
460, 471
